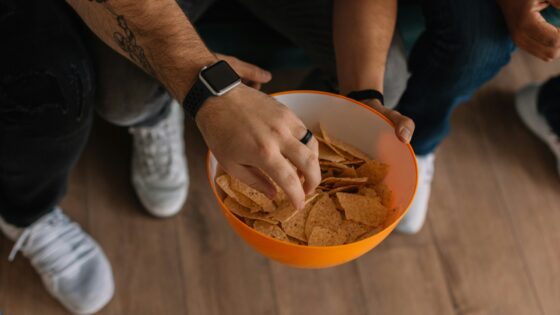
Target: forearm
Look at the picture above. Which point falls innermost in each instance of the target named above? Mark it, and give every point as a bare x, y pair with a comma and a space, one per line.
363, 30
155, 35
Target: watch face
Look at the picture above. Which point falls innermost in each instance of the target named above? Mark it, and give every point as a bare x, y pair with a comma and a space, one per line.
220, 76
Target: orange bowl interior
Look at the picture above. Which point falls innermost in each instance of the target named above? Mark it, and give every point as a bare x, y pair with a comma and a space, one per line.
361, 126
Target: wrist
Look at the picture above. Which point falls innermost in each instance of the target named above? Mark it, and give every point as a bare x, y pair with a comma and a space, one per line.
214, 105
181, 85
367, 94
216, 79
356, 75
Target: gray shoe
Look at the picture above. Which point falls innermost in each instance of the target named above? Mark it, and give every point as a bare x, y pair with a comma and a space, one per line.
71, 264
159, 165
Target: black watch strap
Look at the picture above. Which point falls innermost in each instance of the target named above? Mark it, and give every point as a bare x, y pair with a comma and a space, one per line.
367, 94
198, 94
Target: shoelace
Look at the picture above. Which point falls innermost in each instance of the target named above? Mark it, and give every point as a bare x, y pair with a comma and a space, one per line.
154, 148
53, 244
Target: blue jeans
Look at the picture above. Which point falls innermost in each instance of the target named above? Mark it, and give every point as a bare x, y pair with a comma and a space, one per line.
465, 44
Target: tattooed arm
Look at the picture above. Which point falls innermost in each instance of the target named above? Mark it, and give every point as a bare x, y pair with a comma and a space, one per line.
155, 35
249, 132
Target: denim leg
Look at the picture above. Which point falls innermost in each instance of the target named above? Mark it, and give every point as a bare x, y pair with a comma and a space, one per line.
46, 102
465, 44
549, 103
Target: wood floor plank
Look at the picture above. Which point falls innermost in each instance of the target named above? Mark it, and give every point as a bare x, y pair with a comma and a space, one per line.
403, 275
533, 202
143, 250
333, 291
221, 274
481, 257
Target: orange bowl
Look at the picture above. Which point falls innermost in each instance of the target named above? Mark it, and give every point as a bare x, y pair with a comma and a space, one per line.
361, 126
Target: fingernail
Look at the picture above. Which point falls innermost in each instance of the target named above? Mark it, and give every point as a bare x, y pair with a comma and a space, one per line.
405, 134
268, 75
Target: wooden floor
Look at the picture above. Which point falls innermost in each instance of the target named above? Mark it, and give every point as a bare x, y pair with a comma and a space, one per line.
491, 244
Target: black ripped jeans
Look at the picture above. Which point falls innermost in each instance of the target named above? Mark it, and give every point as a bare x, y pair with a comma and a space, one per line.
52, 72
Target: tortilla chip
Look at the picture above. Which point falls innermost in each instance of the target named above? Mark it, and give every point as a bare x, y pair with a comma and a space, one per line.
375, 171
326, 139
341, 181
385, 194
248, 221
323, 214
244, 212
295, 226
347, 172
367, 191
321, 236
342, 188
372, 232
254, 195
353, 230
353, 162
349, 149
326, 153
296, 241
287, 210
331, 165
224, 182
271, 230
362, 209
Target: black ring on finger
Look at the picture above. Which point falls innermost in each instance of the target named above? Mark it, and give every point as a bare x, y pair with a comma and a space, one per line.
307, 137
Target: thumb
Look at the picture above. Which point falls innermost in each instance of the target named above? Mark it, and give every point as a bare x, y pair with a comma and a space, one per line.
404, 126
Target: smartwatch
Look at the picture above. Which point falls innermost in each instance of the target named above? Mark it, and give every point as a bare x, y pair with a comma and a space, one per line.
213, 80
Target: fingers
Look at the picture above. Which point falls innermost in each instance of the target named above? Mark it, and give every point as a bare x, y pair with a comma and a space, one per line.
538, 50
253, 177
404, 126
306, 160
555, 3
284, 175
543, 32
538, 37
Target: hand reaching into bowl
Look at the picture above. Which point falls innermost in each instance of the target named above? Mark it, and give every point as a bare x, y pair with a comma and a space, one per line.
251, 135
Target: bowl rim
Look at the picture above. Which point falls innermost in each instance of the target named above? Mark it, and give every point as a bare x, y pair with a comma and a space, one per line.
224, 207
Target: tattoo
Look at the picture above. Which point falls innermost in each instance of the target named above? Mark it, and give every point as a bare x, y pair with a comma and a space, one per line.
126, 40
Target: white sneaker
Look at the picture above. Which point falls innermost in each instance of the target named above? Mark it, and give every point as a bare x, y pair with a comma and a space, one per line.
71, 264
416, 215
159, 166
526, 105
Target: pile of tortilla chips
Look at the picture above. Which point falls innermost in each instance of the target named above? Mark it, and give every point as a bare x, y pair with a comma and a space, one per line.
349, 205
